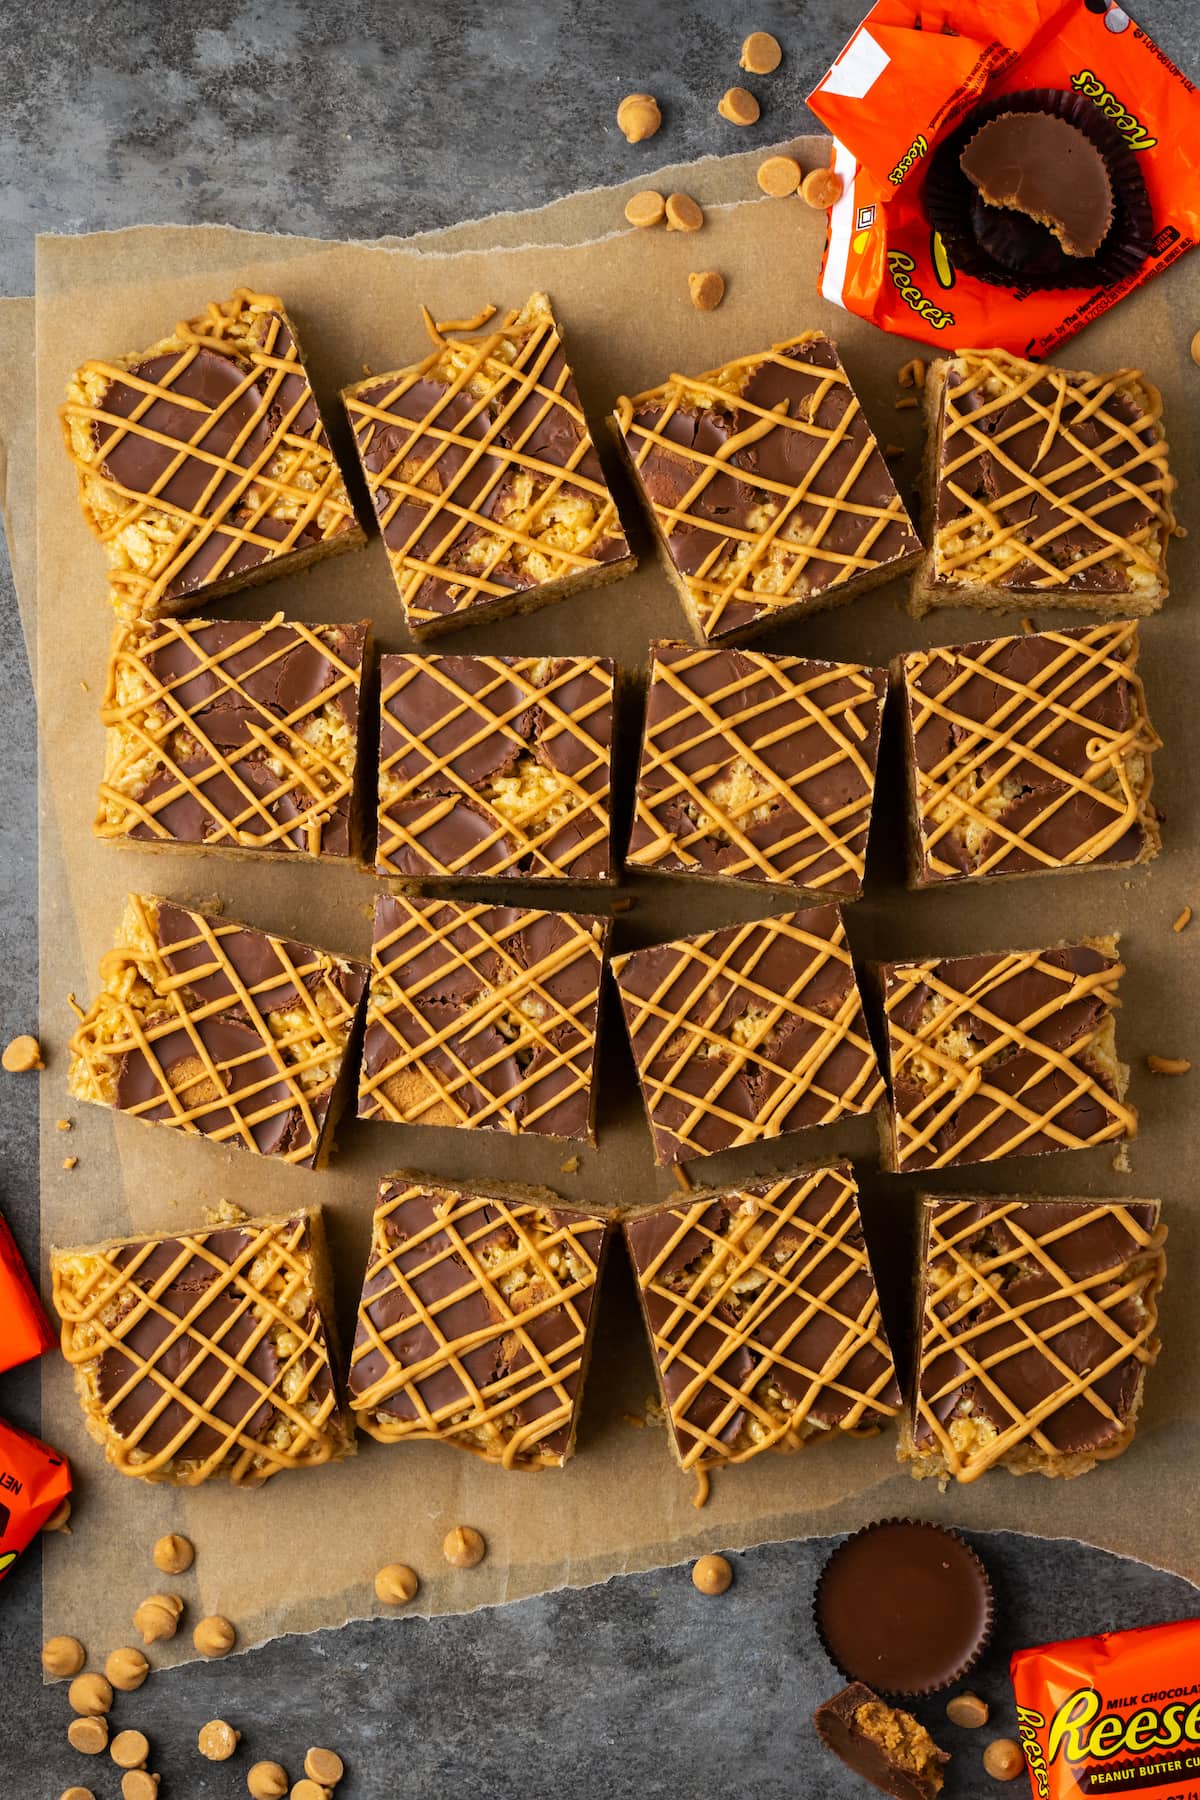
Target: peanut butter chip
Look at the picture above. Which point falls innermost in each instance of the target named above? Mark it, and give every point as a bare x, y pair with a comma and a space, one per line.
77, 1793
139, 1785
967, 1710
464, 1547
639, 117
127, 1669
88, 1736
396, 1584
309, 1790
821, 188
59, 1519
712, 1574
761, 54
739, 106
267, 1781
89, 1695
22, 1055
707, 288
1196, 348
779, 176
173, 1554
214, 1636
1003, 1759
683, 214
646, 208
217, 1740
63, 1656
130, 1749
158, 1617
325, 1766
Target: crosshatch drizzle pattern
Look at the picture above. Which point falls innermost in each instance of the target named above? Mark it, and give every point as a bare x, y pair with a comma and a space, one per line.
758, 767
219, 1029
483, 1017
764, 1317
1006, 1284
203, 460
237, 736
495, 766
1056, 771
204, 1354
747, 1033
474, 1320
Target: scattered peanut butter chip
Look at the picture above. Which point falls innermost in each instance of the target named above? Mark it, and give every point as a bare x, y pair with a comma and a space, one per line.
325, 1766
309, 1790
638, 117
217, 1740
1183, 920
139, 1784
1196, 348
173, 1554
396, 1584
712, 1574
646, 208
22, 1055
738, 105
60, 1519
1168, 1065
1003, 1759
130, 1749
70, 1162
967, 1710
912, 373
821, 188
761, 54
707, 288
683, 213
89, 1695
464, 1547
214, 1636
63, 1124
126, 1669
77, 1793
89, 1736
779, 176
158, 1617
267, 1781
63, 1656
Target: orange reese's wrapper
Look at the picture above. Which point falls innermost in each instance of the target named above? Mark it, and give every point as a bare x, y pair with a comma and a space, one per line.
34, 1482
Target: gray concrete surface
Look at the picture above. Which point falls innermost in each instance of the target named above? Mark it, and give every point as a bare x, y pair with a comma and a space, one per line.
338, 118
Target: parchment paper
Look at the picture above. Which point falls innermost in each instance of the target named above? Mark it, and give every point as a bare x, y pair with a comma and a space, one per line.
302, 1553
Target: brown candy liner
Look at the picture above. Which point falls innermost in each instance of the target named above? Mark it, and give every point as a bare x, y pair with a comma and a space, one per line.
1006, 249
956, 1674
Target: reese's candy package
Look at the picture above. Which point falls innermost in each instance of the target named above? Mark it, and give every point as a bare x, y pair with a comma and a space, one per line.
34, 1482
24, 1328
1115, 1714
1008, 171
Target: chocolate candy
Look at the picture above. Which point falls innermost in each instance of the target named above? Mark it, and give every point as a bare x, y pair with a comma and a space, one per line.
34, 1482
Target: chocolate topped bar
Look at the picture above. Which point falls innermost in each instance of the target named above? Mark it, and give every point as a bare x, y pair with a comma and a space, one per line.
767, 489
232, 735
1046, 484
883, 1746
1029, 753
485, 481
495, 767
763, 1317
205, 1353
1003, 1055
219, 1029
203, 463
757, 768
747, 1033
1037, 1326
475, 1320
483, 1017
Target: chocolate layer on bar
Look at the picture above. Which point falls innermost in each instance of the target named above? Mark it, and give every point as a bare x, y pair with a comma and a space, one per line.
1007, 1054
747, 1033
219, 1029
880, 1744
482, 471
232, 735
766, 484
482, 1017
495, 766
757, 768
763, 1316
1030, 753
1045, 167
1037, 1325
474, 1321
